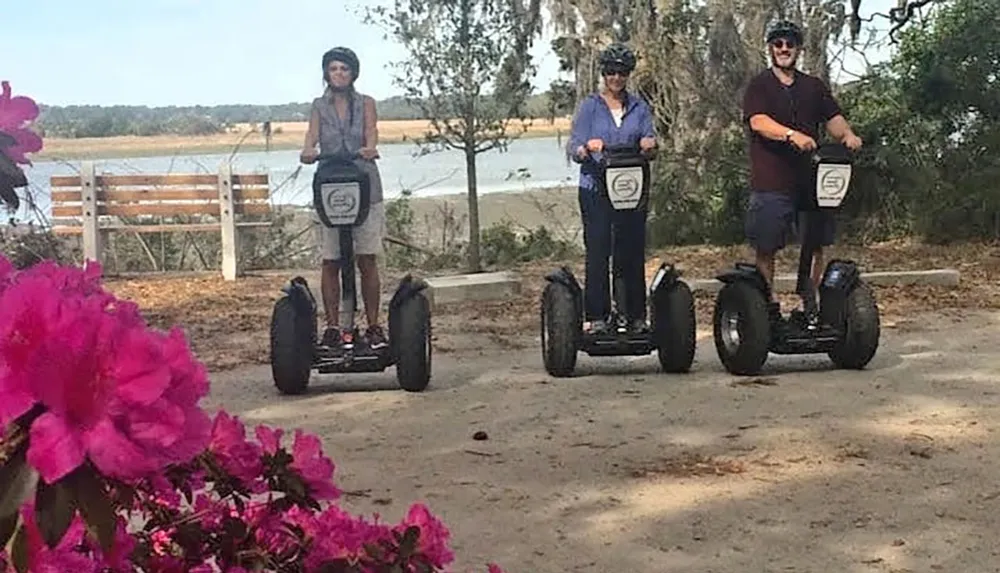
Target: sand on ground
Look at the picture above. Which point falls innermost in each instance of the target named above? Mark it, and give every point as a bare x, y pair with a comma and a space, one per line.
623, 468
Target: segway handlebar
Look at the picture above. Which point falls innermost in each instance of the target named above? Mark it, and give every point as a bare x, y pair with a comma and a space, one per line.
831, 152
627, 150
338, 156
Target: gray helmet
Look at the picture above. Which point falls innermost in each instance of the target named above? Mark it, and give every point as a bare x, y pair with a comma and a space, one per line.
617, 57
784, 29
345, 55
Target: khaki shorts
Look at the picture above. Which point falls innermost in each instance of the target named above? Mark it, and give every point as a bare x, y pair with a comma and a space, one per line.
367, 237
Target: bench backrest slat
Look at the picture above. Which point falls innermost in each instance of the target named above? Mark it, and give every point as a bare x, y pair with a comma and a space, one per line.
166, 195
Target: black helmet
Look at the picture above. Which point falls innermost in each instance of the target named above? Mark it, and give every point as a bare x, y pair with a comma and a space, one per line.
345, 55
784, 29
617, 57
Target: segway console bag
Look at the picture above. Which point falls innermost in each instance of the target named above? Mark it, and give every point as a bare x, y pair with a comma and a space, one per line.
625, 178
341, 193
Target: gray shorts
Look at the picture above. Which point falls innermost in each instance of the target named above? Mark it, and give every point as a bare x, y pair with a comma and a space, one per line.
367, 236
772, 218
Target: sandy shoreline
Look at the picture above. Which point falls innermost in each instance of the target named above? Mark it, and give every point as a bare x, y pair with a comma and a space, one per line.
244, 138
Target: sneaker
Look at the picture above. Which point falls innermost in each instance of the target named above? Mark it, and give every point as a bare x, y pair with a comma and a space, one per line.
598, 327
333, 339
375, 337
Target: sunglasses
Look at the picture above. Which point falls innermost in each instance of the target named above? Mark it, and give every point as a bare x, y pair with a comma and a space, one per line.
781, 44
619, 73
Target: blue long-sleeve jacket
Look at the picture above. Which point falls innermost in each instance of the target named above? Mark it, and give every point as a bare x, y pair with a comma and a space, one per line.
593, 120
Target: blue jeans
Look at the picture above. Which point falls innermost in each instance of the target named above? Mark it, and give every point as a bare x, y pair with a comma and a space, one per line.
628, 249
772, 217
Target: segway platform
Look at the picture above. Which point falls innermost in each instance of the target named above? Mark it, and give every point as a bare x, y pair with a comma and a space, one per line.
619, 342
843, 323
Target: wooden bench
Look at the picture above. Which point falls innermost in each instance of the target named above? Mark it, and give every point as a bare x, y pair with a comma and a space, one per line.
92, 205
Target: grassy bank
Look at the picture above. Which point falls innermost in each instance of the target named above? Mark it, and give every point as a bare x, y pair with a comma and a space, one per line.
242, 138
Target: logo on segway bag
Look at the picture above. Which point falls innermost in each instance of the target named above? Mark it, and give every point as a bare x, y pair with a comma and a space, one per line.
832, 181
624, 186
341, 202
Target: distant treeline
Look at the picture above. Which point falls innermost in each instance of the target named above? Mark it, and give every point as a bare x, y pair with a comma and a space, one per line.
107, 121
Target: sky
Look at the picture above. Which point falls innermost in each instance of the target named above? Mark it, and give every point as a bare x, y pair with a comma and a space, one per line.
205, 52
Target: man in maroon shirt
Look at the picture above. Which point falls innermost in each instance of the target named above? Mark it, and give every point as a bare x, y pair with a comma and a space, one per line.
784, 108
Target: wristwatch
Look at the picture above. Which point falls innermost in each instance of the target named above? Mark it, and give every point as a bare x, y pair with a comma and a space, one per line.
788, 134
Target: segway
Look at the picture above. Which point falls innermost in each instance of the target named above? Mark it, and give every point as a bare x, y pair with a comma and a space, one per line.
341, 198
625, 183
843, 323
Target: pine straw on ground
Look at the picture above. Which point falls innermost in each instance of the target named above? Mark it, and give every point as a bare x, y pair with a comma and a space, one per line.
227, 323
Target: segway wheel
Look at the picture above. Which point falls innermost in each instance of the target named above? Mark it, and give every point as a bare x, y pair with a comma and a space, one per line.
560, 327
674, 328
413, 366
293, 336
862, 330
742, 328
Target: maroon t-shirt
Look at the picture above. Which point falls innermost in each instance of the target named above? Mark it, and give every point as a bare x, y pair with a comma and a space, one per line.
805, 106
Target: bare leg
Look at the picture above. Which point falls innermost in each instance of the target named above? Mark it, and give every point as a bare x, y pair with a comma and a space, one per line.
817, 268
370, 287
330, 287
765, 262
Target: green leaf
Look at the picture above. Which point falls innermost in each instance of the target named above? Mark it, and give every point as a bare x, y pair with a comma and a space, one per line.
95, 506
55, 509
7, 526
408, 544
19, 551
15, 481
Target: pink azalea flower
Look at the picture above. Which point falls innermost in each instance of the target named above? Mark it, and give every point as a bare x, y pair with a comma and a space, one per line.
315, 468
15, 115
30, 314
211, 510
308, 460
6, 270
114, 391
62, 557
339, 534
163, 493
269, 529
166, 564
270, 439
433, 534
238, 457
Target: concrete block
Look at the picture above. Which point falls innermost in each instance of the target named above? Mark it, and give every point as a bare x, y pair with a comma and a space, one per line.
936, 277
786, 283
472, 287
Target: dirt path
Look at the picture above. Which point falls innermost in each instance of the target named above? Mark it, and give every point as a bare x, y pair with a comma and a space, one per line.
626, 469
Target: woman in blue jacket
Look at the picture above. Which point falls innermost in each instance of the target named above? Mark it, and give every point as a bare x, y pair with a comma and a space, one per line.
611, 117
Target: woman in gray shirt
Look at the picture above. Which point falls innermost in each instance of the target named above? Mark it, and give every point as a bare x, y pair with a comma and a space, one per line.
344, 120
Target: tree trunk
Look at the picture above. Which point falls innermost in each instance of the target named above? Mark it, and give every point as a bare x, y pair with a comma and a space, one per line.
470, 174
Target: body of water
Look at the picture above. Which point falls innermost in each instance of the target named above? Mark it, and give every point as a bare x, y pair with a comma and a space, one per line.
527, 164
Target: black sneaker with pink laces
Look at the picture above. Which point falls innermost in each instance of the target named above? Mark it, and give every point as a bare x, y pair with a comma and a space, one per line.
375, 337
333, 339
